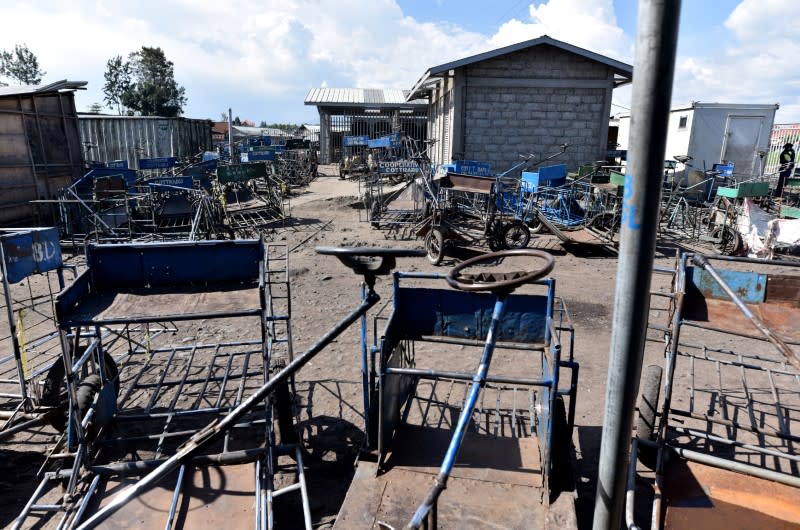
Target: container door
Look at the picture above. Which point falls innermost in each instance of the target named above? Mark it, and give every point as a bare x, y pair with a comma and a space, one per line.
742, 135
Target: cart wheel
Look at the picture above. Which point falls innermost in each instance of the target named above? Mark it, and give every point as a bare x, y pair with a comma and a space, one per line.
494, 244
730, 241
646, 420
516, 235
434, 245
607, 224
536, 225
54, 391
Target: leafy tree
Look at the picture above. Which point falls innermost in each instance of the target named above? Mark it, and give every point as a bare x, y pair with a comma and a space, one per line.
237, 121
223, 116
118, 83
263, 124
21, 65
144, 84
96, 108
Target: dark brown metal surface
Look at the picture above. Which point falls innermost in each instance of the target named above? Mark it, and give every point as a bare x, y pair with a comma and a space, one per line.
213, 497
698, 496
725, 316
471, 183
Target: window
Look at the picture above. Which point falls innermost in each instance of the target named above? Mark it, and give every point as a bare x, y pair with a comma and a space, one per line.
682, 122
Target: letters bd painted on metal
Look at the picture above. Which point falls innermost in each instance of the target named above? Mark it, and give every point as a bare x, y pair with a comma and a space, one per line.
118, 164
177, 182
30, 251
397, 166
157, 163
350, 141
241, 172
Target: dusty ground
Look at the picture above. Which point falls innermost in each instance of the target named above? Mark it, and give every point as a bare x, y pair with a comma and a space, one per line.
323, 290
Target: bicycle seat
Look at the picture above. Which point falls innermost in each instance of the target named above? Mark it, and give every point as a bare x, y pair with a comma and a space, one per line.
682, 158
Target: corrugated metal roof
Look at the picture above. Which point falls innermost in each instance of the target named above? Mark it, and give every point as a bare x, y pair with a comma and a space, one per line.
58, 86
367, 97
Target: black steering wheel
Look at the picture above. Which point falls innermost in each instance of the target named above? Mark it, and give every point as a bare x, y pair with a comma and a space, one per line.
504, 281
370, 261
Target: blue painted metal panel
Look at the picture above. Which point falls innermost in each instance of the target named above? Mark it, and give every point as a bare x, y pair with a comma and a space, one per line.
255, 156
174, 265
164, 162
118, 164
178, 182
450, 313
350, 141
749, 286
210, 155
30, 251
391, 167
472, 167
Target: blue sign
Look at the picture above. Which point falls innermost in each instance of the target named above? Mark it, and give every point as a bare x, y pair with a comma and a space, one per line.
471, 167
176, 182
30, 251
350, 141
117, 164
261, 155
210, 155
394, 167
164, 162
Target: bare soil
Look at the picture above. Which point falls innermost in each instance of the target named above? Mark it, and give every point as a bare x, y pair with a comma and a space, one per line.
329, 213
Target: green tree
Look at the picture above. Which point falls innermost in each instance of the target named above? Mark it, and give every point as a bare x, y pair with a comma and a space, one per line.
95, 108
21, 65
153, 90
237, 121
118, 83
263, 124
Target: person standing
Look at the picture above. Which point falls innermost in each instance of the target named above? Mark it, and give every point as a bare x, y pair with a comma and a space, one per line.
786, 161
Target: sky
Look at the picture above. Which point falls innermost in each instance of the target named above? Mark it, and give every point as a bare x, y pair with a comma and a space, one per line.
261, 57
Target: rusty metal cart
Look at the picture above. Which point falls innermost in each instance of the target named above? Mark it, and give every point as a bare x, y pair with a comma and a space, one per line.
723, 437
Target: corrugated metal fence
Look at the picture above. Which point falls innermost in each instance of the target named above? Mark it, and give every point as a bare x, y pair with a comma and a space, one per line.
130, 138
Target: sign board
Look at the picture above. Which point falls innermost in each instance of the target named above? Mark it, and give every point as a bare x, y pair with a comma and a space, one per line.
207, 165
30, 251
210, 155
472, 167
391, 167
244, 157
118, 164
128, 174
164, 162
241, 172
262, 149
264, 155
350, 141
177, 182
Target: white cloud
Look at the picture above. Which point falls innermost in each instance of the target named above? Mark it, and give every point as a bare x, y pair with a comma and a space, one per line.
249, 54
756, 64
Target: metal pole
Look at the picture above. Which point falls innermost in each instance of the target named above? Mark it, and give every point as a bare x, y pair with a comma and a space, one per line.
230, 135
657, 32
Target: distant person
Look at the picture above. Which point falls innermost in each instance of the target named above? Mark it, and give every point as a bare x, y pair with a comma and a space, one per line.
786, 160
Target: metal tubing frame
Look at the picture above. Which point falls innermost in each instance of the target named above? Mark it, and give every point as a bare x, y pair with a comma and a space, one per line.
657, 29
221, 426
478, 380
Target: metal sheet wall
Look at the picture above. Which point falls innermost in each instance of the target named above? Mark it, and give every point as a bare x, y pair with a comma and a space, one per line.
40, 151
133, 137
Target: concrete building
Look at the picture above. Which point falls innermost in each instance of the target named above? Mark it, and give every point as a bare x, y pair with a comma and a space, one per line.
364, 111
525, 98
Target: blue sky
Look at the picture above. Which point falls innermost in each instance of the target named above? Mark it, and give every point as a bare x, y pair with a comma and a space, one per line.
261, 58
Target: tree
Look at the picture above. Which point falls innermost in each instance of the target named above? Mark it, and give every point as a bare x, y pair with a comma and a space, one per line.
237, 121
95, 108
144, 84
223, 116
118, 83
21, 65
263, 124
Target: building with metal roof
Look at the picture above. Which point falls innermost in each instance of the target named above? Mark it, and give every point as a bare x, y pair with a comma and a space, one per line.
41, 148
527, 98
364, 112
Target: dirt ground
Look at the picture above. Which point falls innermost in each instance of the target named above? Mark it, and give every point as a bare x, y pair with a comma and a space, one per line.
329, 213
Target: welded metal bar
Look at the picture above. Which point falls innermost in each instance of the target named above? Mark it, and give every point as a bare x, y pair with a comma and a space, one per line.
630, 494
164, 370
464, 418
85, 500
425, 373
12, 326
480, 343
657, 35
176, 495
301, 475
736, 467
770, 335
211, 369
26, 510
729, 441
215, 429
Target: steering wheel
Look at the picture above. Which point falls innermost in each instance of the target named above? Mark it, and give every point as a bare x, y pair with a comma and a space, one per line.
505, 281
370, 261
